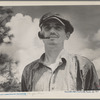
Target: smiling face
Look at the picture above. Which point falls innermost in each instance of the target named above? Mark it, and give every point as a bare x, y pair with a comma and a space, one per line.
55, 31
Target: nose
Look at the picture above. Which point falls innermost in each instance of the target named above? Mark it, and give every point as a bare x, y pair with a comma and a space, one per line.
52, 31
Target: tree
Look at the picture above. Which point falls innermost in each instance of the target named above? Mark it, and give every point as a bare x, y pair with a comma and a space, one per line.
7, 80
5, 16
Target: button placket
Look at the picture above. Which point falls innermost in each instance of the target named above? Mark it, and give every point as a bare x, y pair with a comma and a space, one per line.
52, 85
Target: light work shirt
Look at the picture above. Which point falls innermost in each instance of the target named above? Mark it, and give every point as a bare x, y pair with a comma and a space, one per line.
54, 65
73, 73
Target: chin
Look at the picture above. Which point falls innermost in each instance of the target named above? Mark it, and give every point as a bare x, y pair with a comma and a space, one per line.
53, 43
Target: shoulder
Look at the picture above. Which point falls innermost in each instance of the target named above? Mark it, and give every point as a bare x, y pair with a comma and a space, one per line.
30, 66
83, 62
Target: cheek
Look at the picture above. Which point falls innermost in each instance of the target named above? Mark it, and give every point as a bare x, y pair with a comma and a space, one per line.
45, 33
63, 35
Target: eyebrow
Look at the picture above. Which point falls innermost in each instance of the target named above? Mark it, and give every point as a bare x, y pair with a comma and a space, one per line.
58, 24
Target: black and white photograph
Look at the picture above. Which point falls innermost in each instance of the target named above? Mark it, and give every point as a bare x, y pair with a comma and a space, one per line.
47, 48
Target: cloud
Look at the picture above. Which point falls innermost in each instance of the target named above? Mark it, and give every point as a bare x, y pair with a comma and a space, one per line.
97, 65
76, 43
26, 39
19, 27
25, 30
90, 53
9, 49
97, 36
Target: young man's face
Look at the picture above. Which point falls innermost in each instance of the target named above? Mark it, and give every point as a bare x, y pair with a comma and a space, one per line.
55, 30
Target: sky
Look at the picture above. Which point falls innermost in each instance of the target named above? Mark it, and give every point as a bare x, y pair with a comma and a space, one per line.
84, 41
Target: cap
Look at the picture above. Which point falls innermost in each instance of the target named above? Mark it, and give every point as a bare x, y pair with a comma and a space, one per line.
61, 19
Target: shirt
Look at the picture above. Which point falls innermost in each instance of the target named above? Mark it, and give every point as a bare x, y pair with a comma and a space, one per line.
74, 73
53, 66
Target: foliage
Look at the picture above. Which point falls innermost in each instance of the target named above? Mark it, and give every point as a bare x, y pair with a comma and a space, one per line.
3, 58
8, 80
5, 16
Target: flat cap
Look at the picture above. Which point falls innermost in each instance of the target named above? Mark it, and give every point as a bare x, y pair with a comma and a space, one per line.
61, 19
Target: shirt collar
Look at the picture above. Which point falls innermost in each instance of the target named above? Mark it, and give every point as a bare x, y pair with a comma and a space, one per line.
62, 54
41, 60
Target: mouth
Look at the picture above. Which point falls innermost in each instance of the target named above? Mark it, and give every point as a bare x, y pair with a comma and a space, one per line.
54, 36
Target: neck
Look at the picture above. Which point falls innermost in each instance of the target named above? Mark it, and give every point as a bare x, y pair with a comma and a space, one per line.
51, 53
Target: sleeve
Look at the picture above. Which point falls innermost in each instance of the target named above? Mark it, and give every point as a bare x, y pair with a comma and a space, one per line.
92, 81
23, 82
94, 84
26, 80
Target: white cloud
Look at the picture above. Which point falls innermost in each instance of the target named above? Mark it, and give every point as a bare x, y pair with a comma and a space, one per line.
89, 53
97, 65
8, 49
20, 25
26, 39
97, 36
76, 43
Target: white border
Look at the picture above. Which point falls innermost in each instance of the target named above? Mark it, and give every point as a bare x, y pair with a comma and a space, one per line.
49, 95
47, 3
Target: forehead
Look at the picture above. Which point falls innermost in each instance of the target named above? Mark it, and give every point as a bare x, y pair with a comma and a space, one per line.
52, 22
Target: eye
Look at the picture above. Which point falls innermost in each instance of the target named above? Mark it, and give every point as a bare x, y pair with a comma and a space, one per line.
59, 28
47, 28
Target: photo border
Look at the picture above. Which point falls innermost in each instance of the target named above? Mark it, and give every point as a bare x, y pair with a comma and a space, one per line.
9, 3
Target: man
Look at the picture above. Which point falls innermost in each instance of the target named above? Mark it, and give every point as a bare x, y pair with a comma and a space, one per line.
56, 70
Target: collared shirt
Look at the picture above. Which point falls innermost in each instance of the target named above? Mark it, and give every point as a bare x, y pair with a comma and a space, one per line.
58, 61
74, 73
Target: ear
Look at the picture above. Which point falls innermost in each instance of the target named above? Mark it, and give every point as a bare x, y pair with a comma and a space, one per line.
67, 35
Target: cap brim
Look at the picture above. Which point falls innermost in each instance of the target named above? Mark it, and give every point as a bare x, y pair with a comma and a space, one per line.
52, 18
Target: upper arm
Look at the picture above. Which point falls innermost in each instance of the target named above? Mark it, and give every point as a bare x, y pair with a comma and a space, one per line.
23, 84
24, 80
94, 81
89, 77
